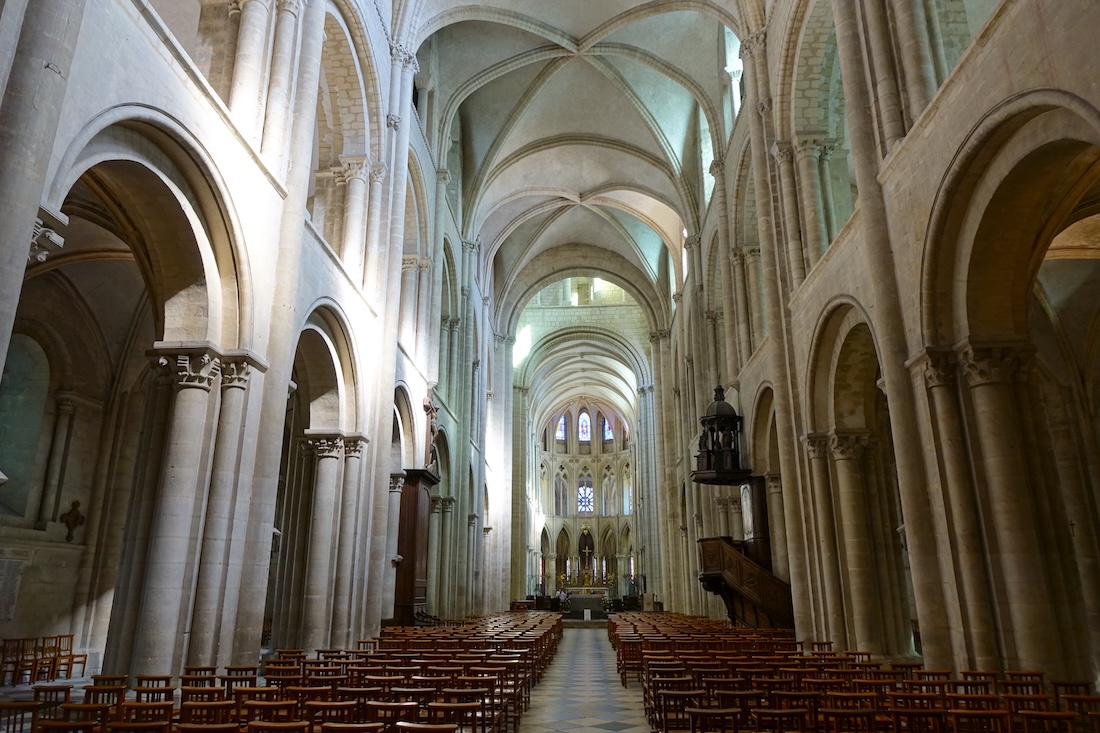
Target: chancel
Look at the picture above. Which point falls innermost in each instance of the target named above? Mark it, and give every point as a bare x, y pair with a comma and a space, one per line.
325, 320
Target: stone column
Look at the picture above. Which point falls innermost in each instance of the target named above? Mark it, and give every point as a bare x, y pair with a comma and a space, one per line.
817, 448
472, 573
446, 553
784, 157
858, 549
911, 28
883, 73
372, 273
212, 584
55, 468
809, 163
435, 352
423, 304
1027, 618
341, 637
752, 275
967, 547
393, 526
29, 115
181, 493
732, 367
248, 69
433, 600
781, 565
407, 328
828, 205
355, 216
328, 451
281, 83
740, 286
722, 503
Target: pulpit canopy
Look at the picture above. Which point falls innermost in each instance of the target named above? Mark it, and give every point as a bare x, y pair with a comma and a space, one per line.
719, 459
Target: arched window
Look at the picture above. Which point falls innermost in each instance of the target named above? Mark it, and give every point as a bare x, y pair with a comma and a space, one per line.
586, 497
559, 434
23, 392
584, 428
607, 434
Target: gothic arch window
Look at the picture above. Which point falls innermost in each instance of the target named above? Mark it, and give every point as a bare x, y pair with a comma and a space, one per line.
607, 434
628, 492
584, 428
586, 496
24, 389
559, 434
560, 493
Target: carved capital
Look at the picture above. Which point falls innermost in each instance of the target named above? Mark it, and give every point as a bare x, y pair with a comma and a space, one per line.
847, 446
677, 296
193, 370
44, 239
692, 241
471, 246
485, 531
355, 167
448, 503
752, 255
293, 7
397, 482
377, 173
353, 446
235, 373
764, 106
409, 262
437, 505
782, 152
425, 264
393, 121
442, 175
716, 167
807, 149
939, 369
817, 445
992, 364
326, 446
754, 42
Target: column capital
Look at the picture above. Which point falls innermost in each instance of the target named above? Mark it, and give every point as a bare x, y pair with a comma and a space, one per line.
993, 364
659, 335
764, 106
442, 175
326, 446
354, 166
471, 245
377, 173
293, 7
847, 446
781, 151
436, 504
692, 241
190, 368
448, 503
939, 368
353, 445
409, 262
44, 238
774, 483
471, 520
485, 531
393, 121
397, 482
236, 371
817, 445
716, 167
677, 296
809, 148
754, 42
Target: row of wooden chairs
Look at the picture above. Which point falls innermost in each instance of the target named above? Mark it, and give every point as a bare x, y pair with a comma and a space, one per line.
757, 681
39, 659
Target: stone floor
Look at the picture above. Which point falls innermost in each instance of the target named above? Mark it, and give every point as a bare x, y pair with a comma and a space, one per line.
581, 691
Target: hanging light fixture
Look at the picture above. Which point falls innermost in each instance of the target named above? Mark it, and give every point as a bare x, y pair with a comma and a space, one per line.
719, 459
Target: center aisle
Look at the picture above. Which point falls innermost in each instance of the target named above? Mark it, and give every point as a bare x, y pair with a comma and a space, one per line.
581, 691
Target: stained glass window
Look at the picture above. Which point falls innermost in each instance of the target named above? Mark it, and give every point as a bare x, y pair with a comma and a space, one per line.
584, 428
559, 434
628, 500
607, 434
585, 500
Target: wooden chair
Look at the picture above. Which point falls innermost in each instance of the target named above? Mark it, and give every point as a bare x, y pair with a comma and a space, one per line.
1049, 721
389, 713
405, 726
351, 727
50, 698
270, 726
978, 721
672, 708
18, 716
319, 712
465, 715
204, 712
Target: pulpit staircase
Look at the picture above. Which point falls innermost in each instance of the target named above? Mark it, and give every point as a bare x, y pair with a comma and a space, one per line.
752, 594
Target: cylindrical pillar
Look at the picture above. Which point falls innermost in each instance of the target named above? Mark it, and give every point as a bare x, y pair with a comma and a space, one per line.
59, 452
432, 604
245, 94
817, 448
967, 544
777, 526
883, 72
29, 116
808, 154
784, 156
372, 273
281, 83
1028, 619
393, 527
173, 540
447, 559
355, 216
916, 54
210, 587
342, 622
328, 451
859, 558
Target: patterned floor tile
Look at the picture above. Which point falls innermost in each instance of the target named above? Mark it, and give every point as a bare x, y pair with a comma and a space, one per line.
581, 691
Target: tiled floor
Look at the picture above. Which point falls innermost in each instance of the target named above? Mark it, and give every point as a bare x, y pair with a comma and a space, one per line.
581, 691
